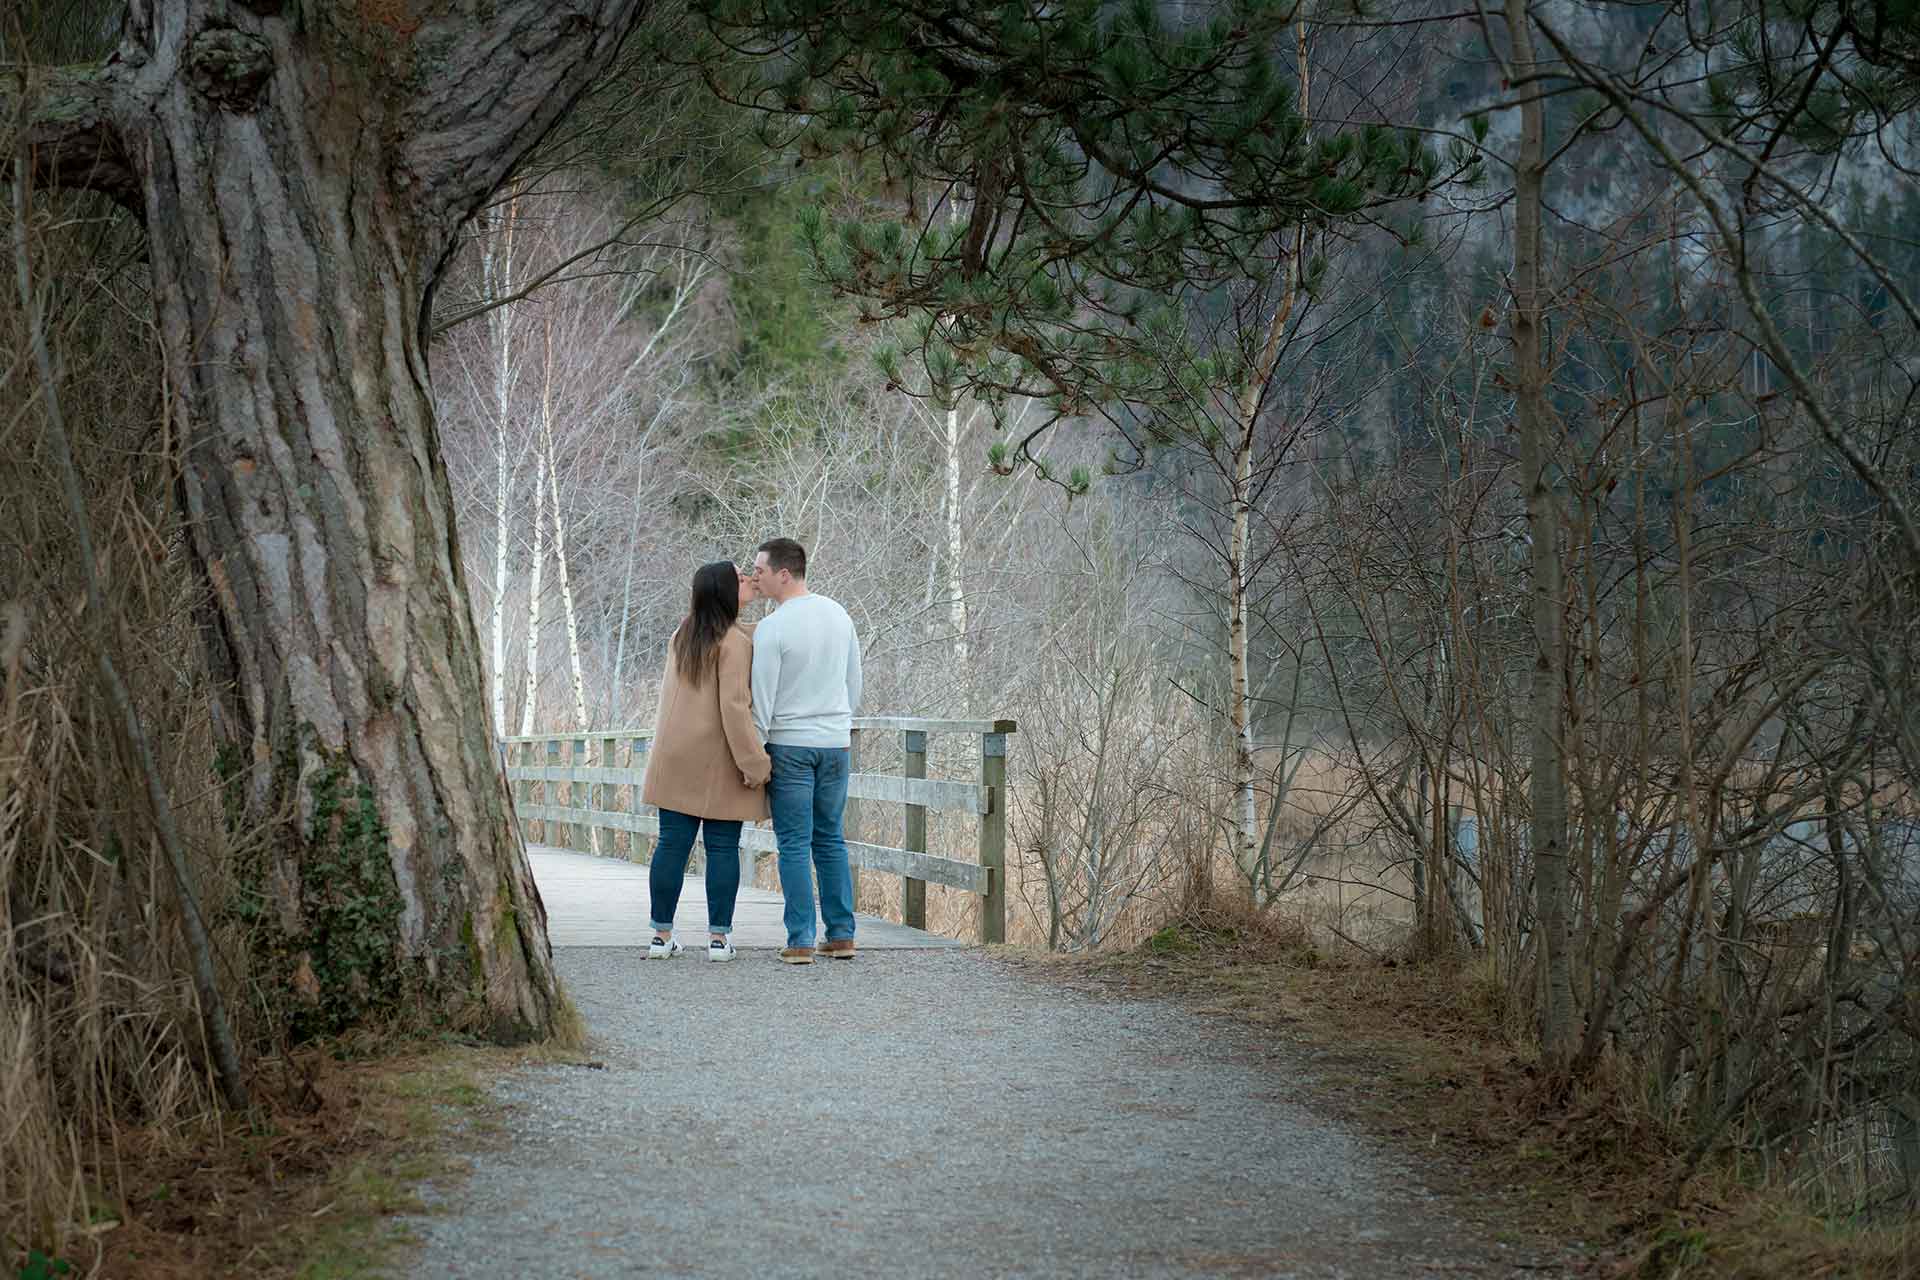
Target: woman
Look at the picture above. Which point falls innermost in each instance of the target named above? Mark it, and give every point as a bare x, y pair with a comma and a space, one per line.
707, 768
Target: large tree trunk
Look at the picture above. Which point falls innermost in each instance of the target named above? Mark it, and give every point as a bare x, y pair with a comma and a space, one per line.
302, 170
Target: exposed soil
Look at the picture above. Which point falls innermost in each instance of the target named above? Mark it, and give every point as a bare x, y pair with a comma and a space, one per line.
307, 1185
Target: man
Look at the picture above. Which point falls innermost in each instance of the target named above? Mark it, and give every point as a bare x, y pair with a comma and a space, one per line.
806, 687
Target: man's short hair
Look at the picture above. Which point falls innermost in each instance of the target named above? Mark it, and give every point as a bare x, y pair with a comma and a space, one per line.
785, 553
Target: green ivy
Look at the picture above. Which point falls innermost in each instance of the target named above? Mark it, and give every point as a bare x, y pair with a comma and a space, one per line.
40, 1267
351, 906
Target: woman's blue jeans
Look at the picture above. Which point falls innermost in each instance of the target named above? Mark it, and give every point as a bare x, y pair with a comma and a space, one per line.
669, 871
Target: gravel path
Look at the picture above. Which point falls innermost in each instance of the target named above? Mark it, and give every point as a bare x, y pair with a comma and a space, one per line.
921, 1114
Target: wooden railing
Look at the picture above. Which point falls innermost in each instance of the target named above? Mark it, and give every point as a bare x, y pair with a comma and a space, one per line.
585, 789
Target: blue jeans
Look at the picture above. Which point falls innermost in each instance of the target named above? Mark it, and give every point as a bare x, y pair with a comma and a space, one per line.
808, 797
669, 870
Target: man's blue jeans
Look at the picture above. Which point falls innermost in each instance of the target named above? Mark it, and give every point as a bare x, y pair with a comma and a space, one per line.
669, 869
808, 796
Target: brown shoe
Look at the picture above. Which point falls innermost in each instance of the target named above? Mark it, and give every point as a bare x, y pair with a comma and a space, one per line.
796, 955
838, 948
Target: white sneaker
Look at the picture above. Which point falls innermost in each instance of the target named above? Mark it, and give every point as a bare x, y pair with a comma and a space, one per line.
718, 951
658, 950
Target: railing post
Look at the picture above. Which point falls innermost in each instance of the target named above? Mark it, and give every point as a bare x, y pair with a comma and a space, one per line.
851, 823
581, 835
913, 899
993, 837
636, 760
600, 754
521, 753
552, 832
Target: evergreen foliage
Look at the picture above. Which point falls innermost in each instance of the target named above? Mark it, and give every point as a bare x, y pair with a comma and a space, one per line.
1073, 176
1820, 73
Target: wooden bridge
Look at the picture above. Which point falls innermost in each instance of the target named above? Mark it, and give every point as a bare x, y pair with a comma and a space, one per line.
747, 1120
578, 795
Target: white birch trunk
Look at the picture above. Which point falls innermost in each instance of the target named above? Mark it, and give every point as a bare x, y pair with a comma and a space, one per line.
533, 594
496, 269
560, 558
1248, 838
1246, 835
956, 553
617, 688
956, 581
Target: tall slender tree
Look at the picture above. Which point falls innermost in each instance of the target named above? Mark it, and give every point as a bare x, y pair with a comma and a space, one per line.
1532, 421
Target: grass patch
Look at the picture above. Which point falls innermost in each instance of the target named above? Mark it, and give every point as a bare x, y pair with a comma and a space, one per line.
310, 1184
1171, 941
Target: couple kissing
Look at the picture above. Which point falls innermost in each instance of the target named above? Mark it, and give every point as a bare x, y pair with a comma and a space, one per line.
756, 722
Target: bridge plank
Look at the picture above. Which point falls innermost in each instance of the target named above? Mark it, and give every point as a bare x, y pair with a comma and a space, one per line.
605, 902
935, 726
955, 797
917, 724
951, 797
921, 866
575, 773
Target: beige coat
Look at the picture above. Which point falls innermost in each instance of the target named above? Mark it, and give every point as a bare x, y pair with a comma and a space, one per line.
704, 740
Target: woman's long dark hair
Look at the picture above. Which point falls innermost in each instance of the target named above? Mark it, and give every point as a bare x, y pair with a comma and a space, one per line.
714, 608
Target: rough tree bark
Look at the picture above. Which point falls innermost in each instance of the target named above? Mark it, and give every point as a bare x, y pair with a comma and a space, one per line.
1548, 834
302, 170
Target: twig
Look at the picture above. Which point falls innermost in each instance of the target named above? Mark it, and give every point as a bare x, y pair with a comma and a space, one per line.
1345, 937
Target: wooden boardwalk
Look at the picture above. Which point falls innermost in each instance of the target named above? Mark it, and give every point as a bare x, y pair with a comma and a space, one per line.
602, 902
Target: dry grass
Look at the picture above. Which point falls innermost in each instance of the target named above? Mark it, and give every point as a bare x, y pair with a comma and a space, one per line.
306, 1186
114, 1151
98, 1025
1419, 1055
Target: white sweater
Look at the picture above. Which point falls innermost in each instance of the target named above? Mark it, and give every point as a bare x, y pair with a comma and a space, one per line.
806, 674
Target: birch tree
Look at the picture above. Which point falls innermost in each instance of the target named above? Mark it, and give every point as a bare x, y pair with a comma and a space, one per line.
1253, 394
597, 357
536, 566
496, 269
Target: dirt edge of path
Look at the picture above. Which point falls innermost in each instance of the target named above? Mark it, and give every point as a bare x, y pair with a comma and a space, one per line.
1417, 1056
